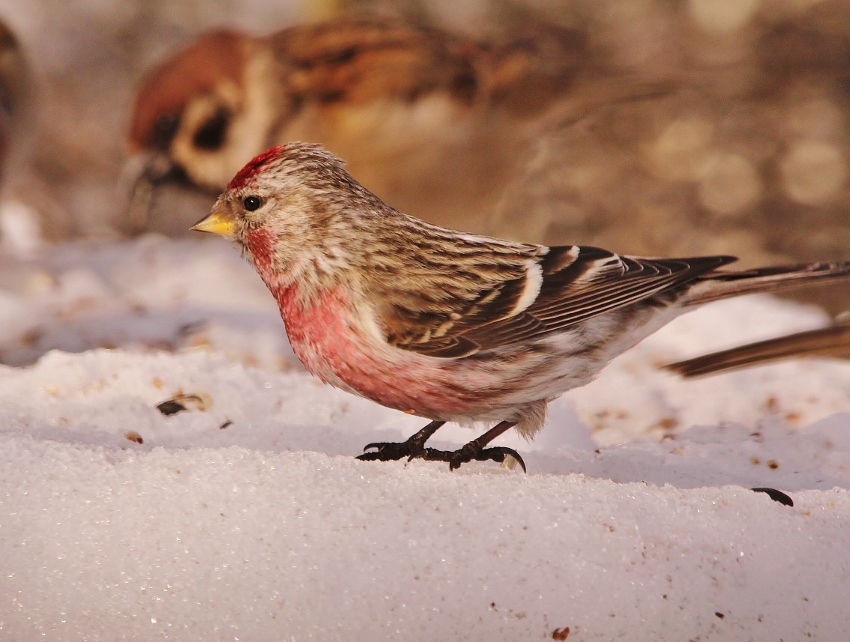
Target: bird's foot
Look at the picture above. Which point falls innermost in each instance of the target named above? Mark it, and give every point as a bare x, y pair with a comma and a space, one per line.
472, 451
414, 448
393, 451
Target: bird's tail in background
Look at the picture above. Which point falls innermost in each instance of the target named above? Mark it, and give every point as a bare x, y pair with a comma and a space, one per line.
833, 341
720, 285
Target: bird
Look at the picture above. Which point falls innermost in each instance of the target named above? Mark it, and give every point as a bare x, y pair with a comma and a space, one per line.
430, 119
446, 325
830, 342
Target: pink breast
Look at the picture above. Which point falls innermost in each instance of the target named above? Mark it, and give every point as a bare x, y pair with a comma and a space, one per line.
325, 338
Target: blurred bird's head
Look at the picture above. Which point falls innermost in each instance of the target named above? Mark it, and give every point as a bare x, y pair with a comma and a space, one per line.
353, 85
198, 116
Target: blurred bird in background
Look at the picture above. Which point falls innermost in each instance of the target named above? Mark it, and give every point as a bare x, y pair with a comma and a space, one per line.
435, 121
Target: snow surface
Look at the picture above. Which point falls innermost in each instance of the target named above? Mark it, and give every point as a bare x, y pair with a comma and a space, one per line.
250, 519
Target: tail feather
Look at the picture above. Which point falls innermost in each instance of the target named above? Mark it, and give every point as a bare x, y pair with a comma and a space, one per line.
833, 341
720, 285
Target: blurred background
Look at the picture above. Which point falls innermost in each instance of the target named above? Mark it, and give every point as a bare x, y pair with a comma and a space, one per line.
652, 127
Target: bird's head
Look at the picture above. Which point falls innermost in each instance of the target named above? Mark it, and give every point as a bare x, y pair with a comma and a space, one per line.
284, 207
200, 114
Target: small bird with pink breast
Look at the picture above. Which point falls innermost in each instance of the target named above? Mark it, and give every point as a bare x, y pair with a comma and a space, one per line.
445, 325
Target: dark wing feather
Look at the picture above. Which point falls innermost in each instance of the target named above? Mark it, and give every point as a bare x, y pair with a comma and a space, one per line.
578, 283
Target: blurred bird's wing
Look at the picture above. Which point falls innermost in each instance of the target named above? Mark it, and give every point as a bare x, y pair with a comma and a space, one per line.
562, 287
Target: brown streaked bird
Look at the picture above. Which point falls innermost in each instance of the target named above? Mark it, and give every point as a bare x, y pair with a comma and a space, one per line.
446, 325
830, 342
433, 121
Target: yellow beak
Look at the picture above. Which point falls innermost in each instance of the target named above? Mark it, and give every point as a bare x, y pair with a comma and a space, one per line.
217, 223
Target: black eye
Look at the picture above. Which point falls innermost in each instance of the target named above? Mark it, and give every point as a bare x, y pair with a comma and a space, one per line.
252, 203
212, 134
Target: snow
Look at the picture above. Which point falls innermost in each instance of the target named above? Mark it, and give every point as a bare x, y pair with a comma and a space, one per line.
251, 520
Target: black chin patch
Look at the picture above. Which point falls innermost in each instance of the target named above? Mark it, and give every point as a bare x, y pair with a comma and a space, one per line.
164, 131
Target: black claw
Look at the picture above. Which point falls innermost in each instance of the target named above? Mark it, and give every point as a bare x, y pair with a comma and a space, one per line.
376, 456
498, 454
388, 451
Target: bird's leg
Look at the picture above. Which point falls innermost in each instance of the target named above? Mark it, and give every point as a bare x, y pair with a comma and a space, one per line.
412, 448
475, 449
